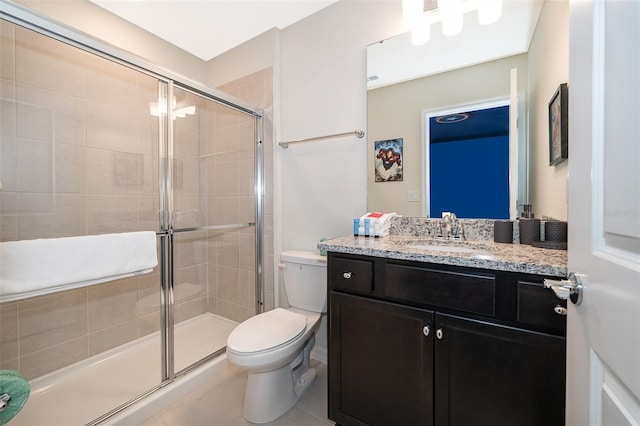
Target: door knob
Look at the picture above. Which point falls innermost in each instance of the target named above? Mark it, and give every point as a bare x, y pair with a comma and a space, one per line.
570, 288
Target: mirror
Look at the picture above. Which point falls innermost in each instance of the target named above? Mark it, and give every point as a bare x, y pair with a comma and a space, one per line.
407, 84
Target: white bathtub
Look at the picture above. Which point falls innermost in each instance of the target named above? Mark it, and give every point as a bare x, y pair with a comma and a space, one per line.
84, 391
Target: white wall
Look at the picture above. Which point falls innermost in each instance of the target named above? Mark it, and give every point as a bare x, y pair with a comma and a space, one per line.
323, 184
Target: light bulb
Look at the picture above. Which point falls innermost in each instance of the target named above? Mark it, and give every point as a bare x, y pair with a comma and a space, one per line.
452, 16
489, 11
452, 25
421, 33
412, 11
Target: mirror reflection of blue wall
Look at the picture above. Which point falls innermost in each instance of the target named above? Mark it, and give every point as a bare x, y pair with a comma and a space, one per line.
469, 167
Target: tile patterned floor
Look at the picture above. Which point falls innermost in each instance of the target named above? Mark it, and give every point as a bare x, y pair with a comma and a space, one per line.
221, 405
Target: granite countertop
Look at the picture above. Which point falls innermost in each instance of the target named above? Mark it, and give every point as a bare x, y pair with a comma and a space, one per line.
477, 254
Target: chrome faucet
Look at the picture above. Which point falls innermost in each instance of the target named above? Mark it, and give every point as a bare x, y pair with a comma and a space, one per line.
452, 227
450, 224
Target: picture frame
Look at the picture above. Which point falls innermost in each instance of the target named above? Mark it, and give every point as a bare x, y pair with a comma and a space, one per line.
388, 164
559, 125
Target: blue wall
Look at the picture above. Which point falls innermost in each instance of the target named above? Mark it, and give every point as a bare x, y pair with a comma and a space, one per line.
470, 178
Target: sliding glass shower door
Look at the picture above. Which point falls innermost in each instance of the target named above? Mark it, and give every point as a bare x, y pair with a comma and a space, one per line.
213, 221
79, 159
90, 145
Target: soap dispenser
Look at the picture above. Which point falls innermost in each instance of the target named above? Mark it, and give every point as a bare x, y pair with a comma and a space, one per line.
529, 226
527, 211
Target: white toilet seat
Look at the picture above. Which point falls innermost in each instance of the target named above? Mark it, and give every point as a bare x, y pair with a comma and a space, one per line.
266, 332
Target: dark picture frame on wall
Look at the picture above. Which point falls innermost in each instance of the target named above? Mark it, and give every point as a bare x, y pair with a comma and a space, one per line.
559, 125
388, 160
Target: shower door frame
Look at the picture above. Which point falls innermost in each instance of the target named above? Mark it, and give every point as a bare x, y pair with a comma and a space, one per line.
24, 17
167, 232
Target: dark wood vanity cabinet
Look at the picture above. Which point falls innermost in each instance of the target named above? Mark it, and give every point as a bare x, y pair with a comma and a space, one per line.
374, 383
423, 344
491, 375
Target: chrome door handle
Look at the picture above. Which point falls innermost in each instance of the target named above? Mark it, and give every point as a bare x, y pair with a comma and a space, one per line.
346, 275
426, 330
567, 289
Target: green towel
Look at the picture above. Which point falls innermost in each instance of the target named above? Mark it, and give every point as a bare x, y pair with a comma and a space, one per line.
12, 384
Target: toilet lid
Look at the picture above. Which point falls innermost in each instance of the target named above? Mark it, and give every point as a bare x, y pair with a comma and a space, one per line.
266, 331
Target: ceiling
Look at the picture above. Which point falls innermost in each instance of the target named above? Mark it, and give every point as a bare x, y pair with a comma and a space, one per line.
207, 28
478, 124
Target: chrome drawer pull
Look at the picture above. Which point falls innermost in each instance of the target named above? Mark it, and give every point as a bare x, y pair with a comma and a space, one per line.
560, 310
346, 275
425, 330
439, 334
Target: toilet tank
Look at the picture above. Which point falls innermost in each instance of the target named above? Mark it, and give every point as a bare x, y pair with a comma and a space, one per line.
305, 279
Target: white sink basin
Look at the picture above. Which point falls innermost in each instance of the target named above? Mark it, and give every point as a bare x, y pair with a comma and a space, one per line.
445, 248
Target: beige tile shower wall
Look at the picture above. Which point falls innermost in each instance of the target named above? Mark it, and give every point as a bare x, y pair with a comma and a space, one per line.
190, 205
230, 149
79, 156
230, 196
80, 153
214, 182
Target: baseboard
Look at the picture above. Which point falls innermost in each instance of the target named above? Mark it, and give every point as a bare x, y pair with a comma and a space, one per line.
319, 354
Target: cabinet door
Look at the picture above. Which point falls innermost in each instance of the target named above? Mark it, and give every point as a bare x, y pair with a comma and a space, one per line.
487, 374
380, 363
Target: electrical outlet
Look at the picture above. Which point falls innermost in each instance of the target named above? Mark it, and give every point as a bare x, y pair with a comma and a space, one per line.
413, 196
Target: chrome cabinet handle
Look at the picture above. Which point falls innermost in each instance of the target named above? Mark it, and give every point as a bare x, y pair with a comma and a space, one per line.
347, 275
426, 330
560, 310
439, 334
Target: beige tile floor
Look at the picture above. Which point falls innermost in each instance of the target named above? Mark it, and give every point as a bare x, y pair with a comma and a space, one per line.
221, 405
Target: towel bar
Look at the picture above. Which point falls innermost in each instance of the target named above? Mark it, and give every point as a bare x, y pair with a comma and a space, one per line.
358, 133
206, 228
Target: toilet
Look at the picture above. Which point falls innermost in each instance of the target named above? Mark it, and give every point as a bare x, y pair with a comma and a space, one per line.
274, 346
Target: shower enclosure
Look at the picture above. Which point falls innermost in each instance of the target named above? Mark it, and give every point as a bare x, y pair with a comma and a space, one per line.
95, 141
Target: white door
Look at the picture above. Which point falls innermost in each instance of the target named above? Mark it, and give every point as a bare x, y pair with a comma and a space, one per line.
603, 332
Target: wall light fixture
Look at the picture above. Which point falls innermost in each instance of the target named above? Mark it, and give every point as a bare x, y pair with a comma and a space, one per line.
419, 15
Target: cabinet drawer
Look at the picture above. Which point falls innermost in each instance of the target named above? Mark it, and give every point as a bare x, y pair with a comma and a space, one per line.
536, 306
351, 274
468, 292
